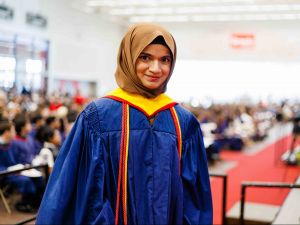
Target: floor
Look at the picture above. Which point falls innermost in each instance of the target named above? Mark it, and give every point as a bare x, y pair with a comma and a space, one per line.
15, 216
243, 166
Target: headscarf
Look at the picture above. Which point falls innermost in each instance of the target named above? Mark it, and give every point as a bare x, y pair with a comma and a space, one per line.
133, 43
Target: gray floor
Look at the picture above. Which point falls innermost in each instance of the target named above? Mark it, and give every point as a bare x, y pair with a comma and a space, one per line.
14, 217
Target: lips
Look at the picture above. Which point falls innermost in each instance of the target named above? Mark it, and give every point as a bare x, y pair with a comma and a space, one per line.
152, 78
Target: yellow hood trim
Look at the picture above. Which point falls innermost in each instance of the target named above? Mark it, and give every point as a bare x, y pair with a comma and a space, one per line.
149, 106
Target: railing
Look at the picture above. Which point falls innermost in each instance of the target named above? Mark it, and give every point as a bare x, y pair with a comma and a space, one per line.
26, 221
27, 167
260, 185
224, 199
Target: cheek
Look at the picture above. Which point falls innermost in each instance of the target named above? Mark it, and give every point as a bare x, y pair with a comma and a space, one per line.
57, 138
166, 70
28, 127
140, 67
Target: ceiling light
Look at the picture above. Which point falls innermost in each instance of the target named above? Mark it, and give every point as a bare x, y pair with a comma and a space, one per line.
196, 10
213, 18
141, 11
247, 17
115, 3
135, 19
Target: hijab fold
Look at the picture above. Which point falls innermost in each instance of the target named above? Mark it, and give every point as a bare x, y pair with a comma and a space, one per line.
137, 38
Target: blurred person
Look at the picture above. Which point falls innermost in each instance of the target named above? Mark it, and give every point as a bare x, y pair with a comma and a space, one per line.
3, 100
70, 120
14, 106
22, 145
243, 125
55, 102
7, 131
3, 104
36, 120
51, 140
61, 114
53, 122
79, 99
57, 123
26, 186
219, 142
134, 156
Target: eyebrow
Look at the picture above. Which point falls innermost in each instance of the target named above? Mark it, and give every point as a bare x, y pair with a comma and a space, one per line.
145, 53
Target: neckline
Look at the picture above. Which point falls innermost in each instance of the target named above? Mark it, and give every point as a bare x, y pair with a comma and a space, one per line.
149, 106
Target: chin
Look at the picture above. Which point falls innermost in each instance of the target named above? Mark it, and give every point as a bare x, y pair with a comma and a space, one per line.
151, 87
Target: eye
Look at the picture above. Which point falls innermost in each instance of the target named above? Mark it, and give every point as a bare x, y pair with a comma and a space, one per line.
166, 59
144, 57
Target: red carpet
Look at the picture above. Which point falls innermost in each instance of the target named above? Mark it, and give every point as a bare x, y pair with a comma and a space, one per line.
263, 166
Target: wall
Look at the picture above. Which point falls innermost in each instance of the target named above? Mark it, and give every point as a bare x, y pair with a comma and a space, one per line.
274, 41
82, 47
209, 69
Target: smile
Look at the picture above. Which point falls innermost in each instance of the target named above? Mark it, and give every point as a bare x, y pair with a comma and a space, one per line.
152, 78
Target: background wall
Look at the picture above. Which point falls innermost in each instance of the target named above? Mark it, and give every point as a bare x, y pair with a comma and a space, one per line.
274, 41
210, 69
82, 47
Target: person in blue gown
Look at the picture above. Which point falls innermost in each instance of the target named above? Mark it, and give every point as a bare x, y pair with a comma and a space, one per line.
134, 156
29, 188
22, 145
36, 120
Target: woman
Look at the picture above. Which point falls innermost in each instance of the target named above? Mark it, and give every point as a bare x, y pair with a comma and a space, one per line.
134, 156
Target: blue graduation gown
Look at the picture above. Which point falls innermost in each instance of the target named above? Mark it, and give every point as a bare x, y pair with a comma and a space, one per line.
37, 145
24, 184
83, 185
6, 157
23, 150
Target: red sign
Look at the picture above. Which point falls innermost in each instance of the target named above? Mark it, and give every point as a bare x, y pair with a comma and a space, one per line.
242, 41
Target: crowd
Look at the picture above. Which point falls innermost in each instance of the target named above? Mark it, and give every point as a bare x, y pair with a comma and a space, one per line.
238, 126
33, 127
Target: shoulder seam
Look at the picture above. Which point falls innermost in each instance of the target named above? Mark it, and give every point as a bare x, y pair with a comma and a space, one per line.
92, 117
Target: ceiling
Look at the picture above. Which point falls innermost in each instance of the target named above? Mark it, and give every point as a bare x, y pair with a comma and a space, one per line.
165, 11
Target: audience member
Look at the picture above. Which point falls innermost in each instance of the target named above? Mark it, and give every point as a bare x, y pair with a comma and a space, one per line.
51, 140
30, 189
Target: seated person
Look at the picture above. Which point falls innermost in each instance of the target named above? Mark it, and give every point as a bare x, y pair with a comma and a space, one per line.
37, 121
22, 145
56, 123
31, 189
51, 140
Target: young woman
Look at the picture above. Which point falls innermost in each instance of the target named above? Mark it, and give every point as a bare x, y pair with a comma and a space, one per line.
134, 156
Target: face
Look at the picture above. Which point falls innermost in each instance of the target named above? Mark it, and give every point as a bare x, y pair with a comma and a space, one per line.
9, 134
56, 139
153, 66
26, 129
55, 124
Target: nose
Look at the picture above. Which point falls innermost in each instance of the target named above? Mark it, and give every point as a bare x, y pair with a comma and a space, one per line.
155, 66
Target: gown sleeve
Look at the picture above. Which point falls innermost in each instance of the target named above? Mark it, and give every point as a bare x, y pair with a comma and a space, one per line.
196, 184
74, 194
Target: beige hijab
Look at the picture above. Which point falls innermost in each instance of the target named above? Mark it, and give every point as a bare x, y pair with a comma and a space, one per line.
133, 43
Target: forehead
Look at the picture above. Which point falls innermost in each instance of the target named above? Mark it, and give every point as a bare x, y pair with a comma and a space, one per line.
157, 49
